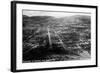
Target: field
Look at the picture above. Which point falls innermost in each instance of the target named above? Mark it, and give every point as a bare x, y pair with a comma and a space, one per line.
46, 38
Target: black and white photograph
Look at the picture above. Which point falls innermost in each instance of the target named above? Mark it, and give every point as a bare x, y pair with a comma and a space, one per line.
56, 36
48, 36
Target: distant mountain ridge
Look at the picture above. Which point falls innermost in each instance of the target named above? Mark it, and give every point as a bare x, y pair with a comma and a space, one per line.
46, 20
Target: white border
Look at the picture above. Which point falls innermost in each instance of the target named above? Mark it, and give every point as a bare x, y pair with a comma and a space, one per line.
21, 65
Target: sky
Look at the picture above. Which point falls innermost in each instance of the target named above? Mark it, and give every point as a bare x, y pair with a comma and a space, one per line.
51, 13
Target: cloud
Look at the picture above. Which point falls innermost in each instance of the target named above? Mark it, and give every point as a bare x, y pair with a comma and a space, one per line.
50, 13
